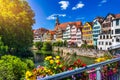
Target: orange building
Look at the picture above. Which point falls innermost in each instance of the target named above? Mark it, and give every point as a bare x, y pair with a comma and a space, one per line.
87, 33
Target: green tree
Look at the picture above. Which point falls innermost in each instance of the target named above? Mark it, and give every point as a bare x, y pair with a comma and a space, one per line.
3, 48
12, 68
39, 45
65, 43
47, 46
16, 20
29, 63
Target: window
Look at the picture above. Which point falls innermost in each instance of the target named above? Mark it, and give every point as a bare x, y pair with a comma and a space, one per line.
110, 43
117, 40
103, 36
100, 37
112, 40
102, 43
110, 37
106, 43
112, 31
107, 36
117, 22
99, 43
117, 31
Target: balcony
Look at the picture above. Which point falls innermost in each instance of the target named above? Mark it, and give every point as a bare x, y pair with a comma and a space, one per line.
97, 71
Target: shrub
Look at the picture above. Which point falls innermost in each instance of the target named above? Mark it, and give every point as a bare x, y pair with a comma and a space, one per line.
65, 43
83, 46
12, 68
29, 63
46, 46
39, 45
3, 48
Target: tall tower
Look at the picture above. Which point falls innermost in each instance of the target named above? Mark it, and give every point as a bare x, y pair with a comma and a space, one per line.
57, 21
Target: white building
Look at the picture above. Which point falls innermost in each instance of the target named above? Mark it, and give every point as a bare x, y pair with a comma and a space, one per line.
73, 33
66, 33
79, 37
104, 41
115, 33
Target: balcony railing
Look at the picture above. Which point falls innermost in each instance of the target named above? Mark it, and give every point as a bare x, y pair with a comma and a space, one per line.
96, 71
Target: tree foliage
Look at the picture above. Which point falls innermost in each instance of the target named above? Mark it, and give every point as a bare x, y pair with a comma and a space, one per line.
39, 45
3, 48
58, 43
12, 68
47, 46
65, 43
16, 19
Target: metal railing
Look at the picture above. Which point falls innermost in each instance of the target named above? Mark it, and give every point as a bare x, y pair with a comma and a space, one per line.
97, 66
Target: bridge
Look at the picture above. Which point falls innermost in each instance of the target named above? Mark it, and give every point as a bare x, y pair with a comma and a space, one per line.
98, 71
115, 50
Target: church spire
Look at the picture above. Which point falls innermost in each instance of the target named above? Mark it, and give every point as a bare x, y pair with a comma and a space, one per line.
57, 21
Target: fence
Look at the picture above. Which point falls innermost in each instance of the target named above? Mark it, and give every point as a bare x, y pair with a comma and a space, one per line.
107, 70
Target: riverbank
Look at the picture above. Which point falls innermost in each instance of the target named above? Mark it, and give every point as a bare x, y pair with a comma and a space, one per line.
92, 53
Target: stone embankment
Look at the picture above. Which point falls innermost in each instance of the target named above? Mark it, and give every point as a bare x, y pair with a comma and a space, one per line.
81, 51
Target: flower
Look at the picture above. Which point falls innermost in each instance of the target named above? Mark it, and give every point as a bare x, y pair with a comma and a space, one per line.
70, 68
83, 65
51, 61
63, 68
57, 57
55, 67
57, 61
60, 65
100, 59
28, 74
79, 60
48, 58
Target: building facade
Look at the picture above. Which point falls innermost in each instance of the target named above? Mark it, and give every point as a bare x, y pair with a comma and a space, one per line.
104, 41
79, 36
38, 34
66, 33
87, 33
72, 33
105, 38
48, 36
106, 25
115, 33
97, 29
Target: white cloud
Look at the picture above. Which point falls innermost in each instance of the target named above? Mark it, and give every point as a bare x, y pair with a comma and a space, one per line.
102, 2
53, 16
64, 4
79, 5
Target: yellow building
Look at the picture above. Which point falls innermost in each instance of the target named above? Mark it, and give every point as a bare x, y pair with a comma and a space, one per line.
87, 33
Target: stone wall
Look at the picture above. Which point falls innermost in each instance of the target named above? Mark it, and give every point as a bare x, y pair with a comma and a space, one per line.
80, 51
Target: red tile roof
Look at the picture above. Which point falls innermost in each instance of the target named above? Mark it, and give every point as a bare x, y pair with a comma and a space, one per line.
51, 32
40, 31
64, 25
117, 16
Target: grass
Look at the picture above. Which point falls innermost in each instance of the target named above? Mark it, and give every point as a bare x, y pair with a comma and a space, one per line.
86, 60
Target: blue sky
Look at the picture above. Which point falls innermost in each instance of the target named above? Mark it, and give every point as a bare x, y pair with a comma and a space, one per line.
70, 10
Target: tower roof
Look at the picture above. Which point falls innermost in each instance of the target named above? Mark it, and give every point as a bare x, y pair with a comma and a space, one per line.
57, 21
